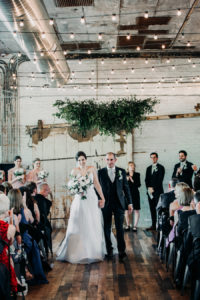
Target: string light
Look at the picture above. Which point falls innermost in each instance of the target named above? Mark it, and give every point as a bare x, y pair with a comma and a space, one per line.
124, 61
102, 61
112, 71
173, 67
34, 60
73, 74
19, 54
128, 36
146, 15
12, 61
179, 12
100, 36
51, 22
15, 33
163, 46
146, 61
80, 61
113, 49
43, 35
193, 65
89, 51
168, 61
72, 35
197, 77
65, 52
126, 79
82, 20
144, 80
189, 60
21, 23
138, 48
180, 78
176, 81
155, 37
162, 79
182, 35
42, 53
153, 69
92, 72
193, 79
108, 80
57, 61
132, 70
114, 17
159, 82
89, 80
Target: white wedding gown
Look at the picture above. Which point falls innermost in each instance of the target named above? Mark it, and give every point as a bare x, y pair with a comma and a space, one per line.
84, 242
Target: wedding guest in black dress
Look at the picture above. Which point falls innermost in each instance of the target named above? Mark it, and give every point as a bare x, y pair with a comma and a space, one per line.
134, 183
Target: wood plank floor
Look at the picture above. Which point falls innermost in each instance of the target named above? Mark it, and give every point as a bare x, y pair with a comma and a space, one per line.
141, 277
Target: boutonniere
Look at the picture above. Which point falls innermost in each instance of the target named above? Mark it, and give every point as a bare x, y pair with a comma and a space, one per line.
119, 175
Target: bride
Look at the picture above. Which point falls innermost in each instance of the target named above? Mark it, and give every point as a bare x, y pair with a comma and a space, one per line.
84, 241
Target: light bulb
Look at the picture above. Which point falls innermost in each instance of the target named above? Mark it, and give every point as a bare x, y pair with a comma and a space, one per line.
163, 46
21, 23
102, 61
128, 36
43, 35
138, 48
19, 54
80, 61
89, 51
72, 35
124, 61
113, 17
146, 61
92, 72
51, 22
173, 67
146, 15
132, 70
179, 12
73, 74
82, 20
42, 53
100, 36
168, 61
182, 35
65, 52
113, 49
189, 60
153, 69
15, 33
112, 71
193, 65
155, 37
188, 44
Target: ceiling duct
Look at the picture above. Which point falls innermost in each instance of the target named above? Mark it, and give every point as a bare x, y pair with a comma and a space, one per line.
31, 41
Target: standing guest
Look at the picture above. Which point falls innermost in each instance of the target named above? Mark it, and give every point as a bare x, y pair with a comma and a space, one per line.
197, 181
184, 169
17, 175
2, 176
154, 183
134, 183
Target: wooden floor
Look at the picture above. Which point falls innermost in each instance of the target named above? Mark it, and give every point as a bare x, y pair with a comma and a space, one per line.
141, 277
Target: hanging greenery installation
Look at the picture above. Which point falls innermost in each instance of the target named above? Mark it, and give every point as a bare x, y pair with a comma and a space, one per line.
108, 117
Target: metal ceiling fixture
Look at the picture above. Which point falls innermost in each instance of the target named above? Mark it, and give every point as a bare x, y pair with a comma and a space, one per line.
38, 36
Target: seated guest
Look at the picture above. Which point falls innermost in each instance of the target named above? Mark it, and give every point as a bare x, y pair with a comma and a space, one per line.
8, 186
25, 217
7, 233
167, 198
44, 205
184, 169
2, 176
17, 175
133, 179
197, 181
175, 204
3, 193
31, 203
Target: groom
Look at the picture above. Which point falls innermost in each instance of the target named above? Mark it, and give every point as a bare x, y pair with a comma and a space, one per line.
117, 197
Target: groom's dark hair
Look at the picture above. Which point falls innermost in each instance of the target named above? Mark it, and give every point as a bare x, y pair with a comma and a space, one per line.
111, 153
80, 153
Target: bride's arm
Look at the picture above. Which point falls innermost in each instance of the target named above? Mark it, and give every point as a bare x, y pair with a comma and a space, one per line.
98, 188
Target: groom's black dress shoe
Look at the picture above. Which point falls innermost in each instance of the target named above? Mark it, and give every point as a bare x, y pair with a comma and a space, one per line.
122, 256
109, 255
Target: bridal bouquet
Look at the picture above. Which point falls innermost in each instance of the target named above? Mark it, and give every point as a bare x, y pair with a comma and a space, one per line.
79, 184
18, 173
43, 174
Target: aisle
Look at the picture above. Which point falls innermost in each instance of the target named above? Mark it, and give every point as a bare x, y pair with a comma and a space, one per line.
141, 277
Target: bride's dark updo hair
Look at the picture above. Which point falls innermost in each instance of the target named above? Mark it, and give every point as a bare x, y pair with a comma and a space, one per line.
80, 153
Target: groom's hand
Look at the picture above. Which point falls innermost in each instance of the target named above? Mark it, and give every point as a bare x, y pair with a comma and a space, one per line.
101, 203
130, 208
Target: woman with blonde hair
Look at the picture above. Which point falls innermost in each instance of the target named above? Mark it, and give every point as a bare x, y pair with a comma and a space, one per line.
134, 184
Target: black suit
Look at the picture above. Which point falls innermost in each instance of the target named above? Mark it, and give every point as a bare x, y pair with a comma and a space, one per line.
186, 175
154, 180
117, 198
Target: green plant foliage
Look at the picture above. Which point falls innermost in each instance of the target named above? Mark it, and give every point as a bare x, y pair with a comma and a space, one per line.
108, 118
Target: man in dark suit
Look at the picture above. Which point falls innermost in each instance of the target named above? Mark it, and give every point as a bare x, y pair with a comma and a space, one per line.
117, 197
154, 183
185, 169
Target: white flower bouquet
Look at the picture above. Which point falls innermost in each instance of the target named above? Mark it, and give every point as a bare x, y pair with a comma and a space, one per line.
79, 184
1, 175
43, 174
19, 173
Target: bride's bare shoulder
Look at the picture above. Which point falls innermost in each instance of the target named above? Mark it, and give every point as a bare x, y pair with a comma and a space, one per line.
74, 171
